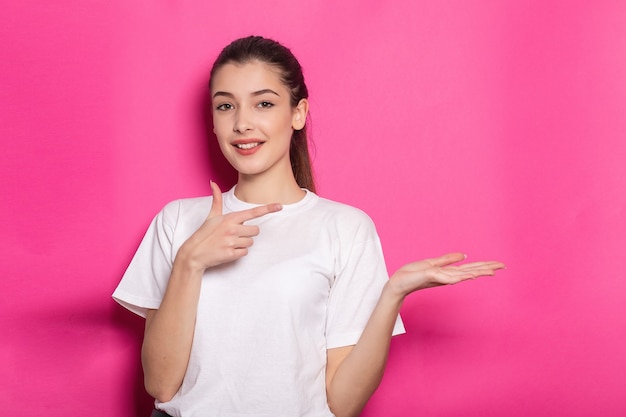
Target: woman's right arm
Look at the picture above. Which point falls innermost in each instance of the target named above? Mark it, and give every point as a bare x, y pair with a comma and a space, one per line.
169, 330
169, 333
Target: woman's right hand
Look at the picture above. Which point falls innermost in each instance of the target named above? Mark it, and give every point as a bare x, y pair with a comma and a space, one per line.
222, 238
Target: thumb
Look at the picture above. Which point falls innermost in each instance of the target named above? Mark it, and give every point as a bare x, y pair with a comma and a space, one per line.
216, 205
447, 259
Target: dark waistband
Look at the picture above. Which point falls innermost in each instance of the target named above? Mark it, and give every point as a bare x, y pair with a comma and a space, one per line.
159, 413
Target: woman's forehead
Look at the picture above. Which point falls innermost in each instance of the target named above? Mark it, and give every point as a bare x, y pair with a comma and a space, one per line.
246, 77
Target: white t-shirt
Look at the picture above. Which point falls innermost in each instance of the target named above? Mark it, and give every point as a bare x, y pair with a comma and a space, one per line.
264, 322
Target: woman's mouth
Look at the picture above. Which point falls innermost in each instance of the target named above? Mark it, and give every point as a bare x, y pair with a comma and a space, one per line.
247, 145
247, 148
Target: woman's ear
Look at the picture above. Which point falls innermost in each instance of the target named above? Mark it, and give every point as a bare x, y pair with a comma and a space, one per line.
299, 114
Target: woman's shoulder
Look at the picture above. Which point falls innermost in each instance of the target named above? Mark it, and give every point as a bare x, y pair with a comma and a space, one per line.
186, 208
343, 214
340, 207
190, 203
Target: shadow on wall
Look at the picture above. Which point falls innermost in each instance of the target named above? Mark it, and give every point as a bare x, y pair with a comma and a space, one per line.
133, 327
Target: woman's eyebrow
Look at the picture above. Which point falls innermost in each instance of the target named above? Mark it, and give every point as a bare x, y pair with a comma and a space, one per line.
256, 93
224, 94
265, 91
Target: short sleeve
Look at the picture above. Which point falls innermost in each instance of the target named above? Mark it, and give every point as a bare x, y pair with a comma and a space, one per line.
144, 283
360, 277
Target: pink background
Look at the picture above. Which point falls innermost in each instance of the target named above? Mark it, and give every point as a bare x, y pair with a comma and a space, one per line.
491, 127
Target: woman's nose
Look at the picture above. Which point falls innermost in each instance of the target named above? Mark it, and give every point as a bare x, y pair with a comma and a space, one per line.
243, 121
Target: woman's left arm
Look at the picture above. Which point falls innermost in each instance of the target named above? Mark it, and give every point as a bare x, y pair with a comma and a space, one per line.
354, 372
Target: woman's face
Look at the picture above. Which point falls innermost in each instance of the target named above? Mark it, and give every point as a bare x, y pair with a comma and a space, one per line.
253, 118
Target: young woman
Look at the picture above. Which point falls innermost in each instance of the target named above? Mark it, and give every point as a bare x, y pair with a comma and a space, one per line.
268, 300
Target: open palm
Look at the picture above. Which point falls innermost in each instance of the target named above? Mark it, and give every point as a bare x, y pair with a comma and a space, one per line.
440, 271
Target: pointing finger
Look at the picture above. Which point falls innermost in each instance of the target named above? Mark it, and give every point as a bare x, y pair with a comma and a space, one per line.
253, 213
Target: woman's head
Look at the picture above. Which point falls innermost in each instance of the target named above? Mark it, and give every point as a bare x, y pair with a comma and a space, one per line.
256, 48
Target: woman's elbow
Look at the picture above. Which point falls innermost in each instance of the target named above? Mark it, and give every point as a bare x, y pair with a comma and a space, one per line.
345, 414
345, 410
158, 392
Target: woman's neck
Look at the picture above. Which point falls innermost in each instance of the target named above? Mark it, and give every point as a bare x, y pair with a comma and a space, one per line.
257, 190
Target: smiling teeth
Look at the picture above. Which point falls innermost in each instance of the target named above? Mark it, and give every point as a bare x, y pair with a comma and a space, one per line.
247, 145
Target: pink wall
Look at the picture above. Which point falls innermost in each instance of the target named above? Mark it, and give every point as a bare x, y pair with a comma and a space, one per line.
495, 128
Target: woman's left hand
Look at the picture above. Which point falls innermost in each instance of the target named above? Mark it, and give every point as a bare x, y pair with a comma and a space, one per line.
439, 271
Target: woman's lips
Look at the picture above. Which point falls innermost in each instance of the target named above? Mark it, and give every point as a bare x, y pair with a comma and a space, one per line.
247, 147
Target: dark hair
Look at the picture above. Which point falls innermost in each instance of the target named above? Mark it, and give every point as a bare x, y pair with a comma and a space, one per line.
257, 48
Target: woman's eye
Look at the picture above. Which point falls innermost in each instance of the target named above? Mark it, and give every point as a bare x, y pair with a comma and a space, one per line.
265, 104
224, 106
